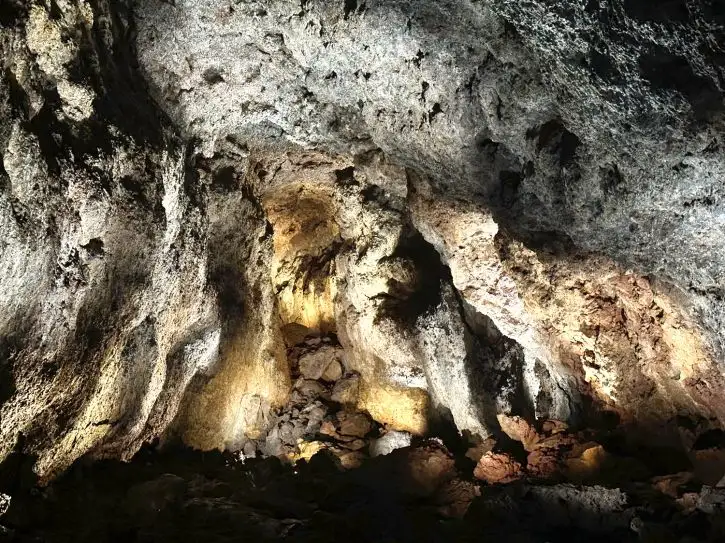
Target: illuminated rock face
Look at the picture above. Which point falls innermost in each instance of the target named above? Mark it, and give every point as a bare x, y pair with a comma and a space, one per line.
508, 219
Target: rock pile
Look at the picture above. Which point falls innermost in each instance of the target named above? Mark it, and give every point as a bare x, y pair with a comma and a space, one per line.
552, 452
321, 412
416, 494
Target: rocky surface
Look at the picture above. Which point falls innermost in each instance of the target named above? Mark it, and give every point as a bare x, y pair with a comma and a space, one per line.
575, 130
94, 287
278, 227
413, 494
597, 122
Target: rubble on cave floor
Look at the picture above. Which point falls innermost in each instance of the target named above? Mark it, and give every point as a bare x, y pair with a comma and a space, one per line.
417, 493
550, 452
321, 413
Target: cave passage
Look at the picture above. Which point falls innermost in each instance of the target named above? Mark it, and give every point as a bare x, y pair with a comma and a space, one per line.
357, 442
366, 271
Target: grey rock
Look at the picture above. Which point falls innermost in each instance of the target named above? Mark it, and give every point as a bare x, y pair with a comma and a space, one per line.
287, 433
315, 417
711, 500
310, 388
249, 449
389, 442
273, 444
593, 508
317, 364
346, 390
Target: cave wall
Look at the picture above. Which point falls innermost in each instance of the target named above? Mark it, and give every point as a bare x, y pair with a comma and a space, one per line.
579, 130
104, 305
496, 207
598, 122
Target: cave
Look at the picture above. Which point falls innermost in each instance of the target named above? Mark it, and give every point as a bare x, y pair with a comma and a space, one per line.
362, 271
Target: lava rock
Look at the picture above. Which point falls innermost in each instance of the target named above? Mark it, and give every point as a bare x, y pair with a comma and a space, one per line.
346, 391
353, 424
310, 389
321, 362
498, 468
333, 371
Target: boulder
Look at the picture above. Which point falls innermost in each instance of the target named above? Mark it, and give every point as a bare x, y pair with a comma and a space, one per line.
315, 364
498, 468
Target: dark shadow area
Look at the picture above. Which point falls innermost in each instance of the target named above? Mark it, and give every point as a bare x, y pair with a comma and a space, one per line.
411, 495
603, 66
12, 12
9, 347
663, 11
667, 71
499, 371
405, 304
185, 495
109, 58
509, 189
553, 138
711, 439
16, 471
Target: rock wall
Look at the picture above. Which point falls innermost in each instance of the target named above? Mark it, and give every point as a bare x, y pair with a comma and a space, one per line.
96, 293
586, 135
495, 206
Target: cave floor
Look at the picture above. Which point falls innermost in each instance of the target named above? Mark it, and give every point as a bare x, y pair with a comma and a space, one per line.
418, 493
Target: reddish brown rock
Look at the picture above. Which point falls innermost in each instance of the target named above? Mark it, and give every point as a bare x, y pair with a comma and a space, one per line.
455, 496
429, 467
543, 464
586, 462
519, 429
556, 441
353, 424
498, 468
552, 427
688, 502
328, 428
671, 485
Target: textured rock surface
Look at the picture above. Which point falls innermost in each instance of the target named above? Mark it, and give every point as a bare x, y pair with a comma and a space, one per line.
611, 146
541, 153
496, 207
598, 121
100, 307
